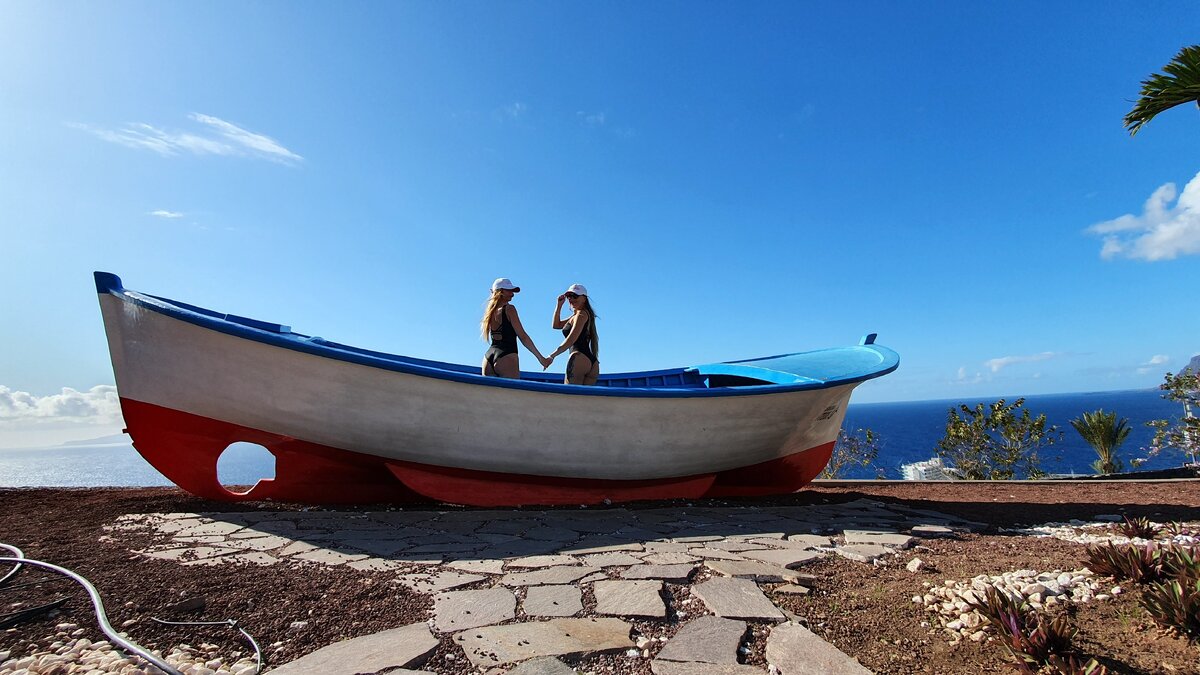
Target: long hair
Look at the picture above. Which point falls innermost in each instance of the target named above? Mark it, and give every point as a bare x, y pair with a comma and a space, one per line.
594, 342
485, 324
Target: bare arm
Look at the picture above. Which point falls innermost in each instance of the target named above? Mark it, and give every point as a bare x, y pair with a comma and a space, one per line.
581, 320
522, 335
558, 323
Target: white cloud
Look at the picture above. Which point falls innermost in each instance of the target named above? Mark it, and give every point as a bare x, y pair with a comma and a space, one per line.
256, 143
98, 405
964, 378
216, 137
163, 213
1162, 232
997, 364
515, 110
1156, 360
591, 119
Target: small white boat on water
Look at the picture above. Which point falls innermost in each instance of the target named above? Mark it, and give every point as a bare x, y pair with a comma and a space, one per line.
353, 425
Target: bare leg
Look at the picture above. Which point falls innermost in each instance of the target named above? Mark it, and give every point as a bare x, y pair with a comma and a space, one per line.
509, 366
578, 367
487, 369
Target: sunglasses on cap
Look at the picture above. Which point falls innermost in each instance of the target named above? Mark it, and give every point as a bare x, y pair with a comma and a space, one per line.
571, 296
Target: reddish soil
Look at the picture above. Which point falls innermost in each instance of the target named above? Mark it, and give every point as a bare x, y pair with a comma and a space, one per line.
866, 611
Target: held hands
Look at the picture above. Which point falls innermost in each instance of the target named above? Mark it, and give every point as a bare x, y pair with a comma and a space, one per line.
546, 361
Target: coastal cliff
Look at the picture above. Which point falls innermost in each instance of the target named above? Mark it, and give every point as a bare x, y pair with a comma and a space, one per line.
1193, 365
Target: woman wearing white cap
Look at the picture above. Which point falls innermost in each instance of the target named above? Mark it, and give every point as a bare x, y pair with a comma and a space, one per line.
501, 324
579, 331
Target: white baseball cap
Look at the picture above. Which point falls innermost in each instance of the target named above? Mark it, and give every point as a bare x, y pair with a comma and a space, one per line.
577, 289
505, 284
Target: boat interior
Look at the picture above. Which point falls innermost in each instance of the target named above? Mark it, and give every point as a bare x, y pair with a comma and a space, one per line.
814, 369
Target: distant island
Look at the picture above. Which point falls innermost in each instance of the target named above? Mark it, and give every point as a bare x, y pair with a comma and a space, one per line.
103, 440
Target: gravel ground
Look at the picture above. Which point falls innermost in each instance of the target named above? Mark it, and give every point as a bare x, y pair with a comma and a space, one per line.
864, 610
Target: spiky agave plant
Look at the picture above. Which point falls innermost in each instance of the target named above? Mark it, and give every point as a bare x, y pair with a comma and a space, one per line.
1139, 564
1031, 639
1175, 604
1105, 434
1106, 560
1179, 83
1141, 528
1181, 562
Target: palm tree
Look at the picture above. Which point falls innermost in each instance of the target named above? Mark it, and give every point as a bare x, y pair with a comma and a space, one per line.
1178, 83
1104, 433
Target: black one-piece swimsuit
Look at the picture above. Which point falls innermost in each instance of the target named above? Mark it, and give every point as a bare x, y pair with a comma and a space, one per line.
583, 343
504, 340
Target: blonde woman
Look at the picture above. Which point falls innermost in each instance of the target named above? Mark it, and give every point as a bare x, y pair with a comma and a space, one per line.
502, 326
579, 333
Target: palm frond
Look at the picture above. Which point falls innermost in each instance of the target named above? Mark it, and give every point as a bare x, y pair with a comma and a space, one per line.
1178, 83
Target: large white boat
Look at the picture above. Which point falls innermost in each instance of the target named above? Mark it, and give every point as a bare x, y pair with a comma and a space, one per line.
353, 425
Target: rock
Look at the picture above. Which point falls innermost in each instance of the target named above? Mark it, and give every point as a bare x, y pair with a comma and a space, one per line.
614, 559
931, 531
864, 553
629, 598
707, 639
679, 573
737, 599
559, 600
676, 558
915, 565
788, 558
756, 570
497, 645
659, 667
460, 610
401, 647
549, 575
544, 665
809, 540
893, 539
193, 604
477, 566
541, 561
795, 650
438, 581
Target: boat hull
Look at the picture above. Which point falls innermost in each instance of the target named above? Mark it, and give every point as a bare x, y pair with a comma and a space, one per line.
185, 449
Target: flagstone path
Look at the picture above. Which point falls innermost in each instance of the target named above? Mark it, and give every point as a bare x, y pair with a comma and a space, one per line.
550, 586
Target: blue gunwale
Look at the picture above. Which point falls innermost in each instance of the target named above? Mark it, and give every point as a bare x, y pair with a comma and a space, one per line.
692, 381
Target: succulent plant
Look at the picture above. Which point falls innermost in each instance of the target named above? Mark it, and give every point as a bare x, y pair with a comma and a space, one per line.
1175, 604
1140, 528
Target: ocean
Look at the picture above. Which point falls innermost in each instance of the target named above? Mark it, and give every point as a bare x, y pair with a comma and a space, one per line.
908, 432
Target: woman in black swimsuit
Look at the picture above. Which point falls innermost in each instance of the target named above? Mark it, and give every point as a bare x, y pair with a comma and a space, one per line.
579, 331
502, 326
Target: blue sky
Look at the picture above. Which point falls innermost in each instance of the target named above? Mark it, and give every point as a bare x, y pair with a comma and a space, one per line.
729, 179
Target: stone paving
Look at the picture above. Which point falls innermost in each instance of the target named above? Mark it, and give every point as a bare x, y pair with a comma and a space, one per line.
549, 586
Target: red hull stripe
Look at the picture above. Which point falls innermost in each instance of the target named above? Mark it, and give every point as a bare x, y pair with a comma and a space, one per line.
185, 448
